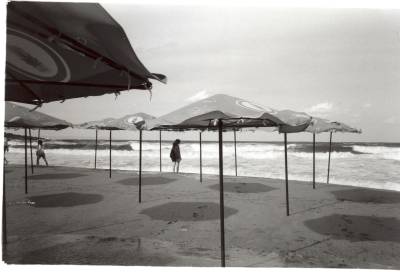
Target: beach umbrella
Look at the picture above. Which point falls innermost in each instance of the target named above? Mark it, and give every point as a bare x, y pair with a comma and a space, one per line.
221, 113
20, 117
289, 117
320, 125
57, 51
132, 122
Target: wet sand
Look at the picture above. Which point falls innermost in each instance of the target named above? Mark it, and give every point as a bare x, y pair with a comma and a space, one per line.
81, 216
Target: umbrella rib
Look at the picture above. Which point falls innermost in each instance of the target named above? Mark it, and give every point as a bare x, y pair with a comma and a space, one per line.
23, 85
70, 83
75, 44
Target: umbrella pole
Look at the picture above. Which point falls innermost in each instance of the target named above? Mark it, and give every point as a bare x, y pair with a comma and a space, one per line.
329, 158
4, 218
221, 192
38, 137
26, 163
140, 165
160, 154
234, 137
30, 146
201, 160
313, 161
110, 153
286, 177
95, 152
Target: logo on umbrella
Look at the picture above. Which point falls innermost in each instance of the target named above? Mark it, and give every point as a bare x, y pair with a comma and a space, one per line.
138, 121
254, 107
34, 58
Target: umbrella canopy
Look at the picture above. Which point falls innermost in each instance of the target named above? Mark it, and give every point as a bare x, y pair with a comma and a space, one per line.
235, 112
57, 51
319, 125
128, 122
21, 117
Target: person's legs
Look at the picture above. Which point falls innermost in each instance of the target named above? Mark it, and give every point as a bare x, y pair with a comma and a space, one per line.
177, 166
37, 160
173, 167
44, 158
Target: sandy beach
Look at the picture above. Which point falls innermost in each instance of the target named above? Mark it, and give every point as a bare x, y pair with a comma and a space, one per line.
81, 216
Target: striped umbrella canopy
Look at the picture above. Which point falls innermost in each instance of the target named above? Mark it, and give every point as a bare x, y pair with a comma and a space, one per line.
234, 112
57, 51
20, 117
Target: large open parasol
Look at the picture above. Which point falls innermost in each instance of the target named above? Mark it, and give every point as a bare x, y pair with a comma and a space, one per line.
320, 125
132, 122
21, 117
57, 51
222, 113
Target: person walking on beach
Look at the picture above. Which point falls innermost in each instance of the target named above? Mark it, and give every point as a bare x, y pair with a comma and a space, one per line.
175, 155
40, 153
6, 149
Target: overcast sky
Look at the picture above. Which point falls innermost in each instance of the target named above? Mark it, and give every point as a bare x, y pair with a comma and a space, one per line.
341, 64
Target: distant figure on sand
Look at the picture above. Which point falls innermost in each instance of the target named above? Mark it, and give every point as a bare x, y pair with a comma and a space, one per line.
6, 149
176, 155
40, 153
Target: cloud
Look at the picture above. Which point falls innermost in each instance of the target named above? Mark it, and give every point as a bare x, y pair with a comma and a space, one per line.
391, 120
367, 105
321, 109
198, 96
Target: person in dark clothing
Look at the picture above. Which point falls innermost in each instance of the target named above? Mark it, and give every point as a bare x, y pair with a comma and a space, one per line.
176, 155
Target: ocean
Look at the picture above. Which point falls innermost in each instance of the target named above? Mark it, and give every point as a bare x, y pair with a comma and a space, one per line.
373, 165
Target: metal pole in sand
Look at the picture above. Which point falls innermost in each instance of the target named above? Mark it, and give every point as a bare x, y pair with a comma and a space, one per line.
160, 154
234, 139
286, 177
221, 192
30, 146
329, 158
201, 160
140, 165
26, 163
4, 219
95, 152
110, 153
313, 179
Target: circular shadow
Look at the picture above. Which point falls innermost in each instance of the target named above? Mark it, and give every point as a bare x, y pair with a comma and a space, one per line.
146, 181
64, 200
367, 196
240, 187
57, 176
95, 250
187, 211
357, 228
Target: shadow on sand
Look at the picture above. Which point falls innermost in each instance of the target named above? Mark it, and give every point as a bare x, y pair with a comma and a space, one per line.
57, 176
357, 228
64, 200
367, 196
146, 181
240, 187
97, 251
187, 211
